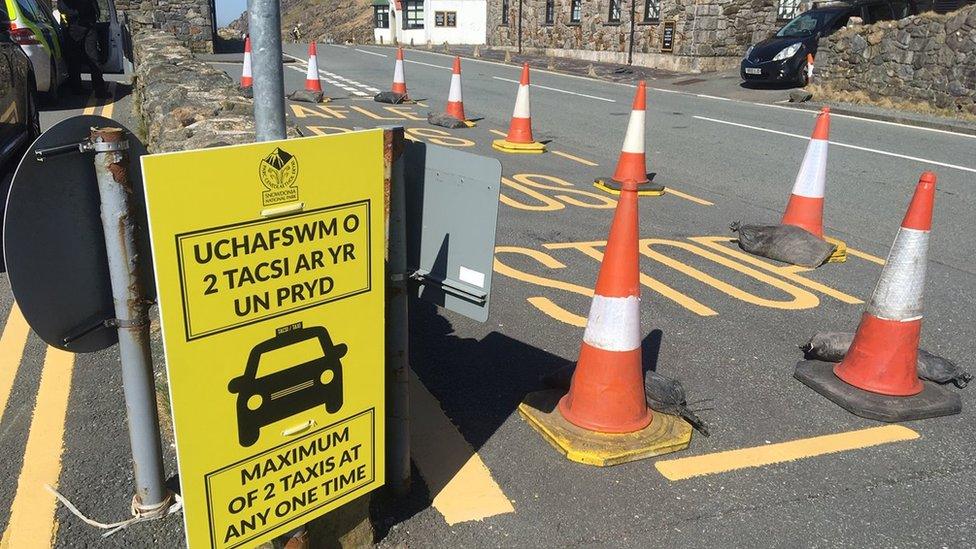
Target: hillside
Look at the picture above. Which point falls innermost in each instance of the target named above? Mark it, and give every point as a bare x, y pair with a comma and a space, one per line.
323, 20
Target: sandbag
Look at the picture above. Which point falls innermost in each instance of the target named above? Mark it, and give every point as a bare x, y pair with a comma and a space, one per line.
306, 96
833, 346
785, 243
392, 98
445, 121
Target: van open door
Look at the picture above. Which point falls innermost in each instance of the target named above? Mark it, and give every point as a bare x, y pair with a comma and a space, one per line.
110, 39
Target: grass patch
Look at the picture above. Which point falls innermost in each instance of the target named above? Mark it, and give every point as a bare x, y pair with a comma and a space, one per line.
828, 93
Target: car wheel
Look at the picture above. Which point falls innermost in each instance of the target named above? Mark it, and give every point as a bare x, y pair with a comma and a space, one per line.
53, 93
33, 117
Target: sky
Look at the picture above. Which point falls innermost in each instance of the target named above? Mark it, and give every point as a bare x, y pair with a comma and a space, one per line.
228, 10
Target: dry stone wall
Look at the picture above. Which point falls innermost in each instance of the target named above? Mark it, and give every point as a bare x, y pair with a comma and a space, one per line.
929, 57
189, 20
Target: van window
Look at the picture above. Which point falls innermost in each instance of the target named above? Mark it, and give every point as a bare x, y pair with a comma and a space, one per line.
901, 9
876, 12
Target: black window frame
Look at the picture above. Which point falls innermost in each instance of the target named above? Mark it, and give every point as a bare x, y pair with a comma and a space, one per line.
575, 11
505, 12
411, 9
384, 21
652, 11
443, 19
613, 13
550, 17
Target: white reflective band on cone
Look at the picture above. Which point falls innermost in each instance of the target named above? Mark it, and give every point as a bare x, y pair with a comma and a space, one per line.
813, 172
522, 103
614, 323
455, 94
898, 295
398, 71
313, 69
634, 140
247, 65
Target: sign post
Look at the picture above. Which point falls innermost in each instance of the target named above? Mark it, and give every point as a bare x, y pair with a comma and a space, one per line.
270, 278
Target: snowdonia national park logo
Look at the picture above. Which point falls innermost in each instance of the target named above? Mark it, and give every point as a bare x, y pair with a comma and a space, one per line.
278, 172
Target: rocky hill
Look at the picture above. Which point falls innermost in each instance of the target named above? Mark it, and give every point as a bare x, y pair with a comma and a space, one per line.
323, 20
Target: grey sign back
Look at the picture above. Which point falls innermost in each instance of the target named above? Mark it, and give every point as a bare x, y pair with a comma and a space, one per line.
452, 208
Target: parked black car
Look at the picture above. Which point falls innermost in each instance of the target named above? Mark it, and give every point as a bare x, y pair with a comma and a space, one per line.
782, 58
19, 122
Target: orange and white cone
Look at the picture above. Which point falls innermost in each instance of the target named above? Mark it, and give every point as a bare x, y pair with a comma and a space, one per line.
399, 80
455, 103
632, 163
312, 82
607, 391
884, 355
882, 362
805, 208
519, 138
246, 79
809, 68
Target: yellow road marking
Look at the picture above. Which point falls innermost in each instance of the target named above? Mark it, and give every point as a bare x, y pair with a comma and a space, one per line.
574, 158
461, 486
695, 199
546, 305
721, 462
110, 104
90, 104
866, 256
32, 522
12, 343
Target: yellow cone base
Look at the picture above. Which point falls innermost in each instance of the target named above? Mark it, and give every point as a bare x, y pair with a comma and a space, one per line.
607, 184
518, 148
840, 254
664, 435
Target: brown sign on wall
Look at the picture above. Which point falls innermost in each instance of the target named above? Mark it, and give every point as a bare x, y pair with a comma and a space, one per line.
667, 36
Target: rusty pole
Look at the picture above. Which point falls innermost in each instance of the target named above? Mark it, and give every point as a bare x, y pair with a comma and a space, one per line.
131, 313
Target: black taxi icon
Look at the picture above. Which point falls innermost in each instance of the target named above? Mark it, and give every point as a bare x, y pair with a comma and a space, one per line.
296, 370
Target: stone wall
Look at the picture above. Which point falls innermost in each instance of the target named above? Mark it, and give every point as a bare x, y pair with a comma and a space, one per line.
928, 57
185, 103
189, 20
709, 34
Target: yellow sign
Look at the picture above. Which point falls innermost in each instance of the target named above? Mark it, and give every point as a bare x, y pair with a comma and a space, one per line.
269, 272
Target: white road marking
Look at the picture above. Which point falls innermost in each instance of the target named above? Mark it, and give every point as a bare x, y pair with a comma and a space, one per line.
335, 79
338, 46
370, 52
427, 64
845, 145
557, 90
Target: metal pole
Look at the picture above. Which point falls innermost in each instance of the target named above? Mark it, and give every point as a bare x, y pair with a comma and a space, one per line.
397, 359
520, 28
264, 26
630, 49
131, 312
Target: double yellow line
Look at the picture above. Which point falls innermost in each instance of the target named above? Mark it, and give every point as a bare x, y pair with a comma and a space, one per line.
107, 105
32, 519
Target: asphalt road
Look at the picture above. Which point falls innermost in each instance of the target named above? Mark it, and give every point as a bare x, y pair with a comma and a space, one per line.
727, 327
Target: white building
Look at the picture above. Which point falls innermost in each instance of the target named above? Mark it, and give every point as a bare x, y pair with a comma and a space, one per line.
436, 21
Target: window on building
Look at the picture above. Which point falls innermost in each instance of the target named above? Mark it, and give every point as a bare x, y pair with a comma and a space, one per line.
504, 12
381, 19
652, 10
445, 18
550, 12
574, 11
614, 15
787, 9
413, 14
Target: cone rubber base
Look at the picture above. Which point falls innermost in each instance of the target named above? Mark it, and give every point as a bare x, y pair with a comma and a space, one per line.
664, 435
840, 254
933, 401
607, 184
518, 148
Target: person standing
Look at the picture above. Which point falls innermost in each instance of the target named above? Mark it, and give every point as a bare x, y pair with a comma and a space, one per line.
82, 44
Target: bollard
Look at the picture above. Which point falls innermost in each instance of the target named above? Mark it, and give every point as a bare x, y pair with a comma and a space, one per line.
132, 316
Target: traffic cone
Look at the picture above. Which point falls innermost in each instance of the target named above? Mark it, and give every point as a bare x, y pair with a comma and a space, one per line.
604, 419
455, 103
878, 377
399, 81
312, 82
809, 68
519, 138
805, 207
246, 80
632, 164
